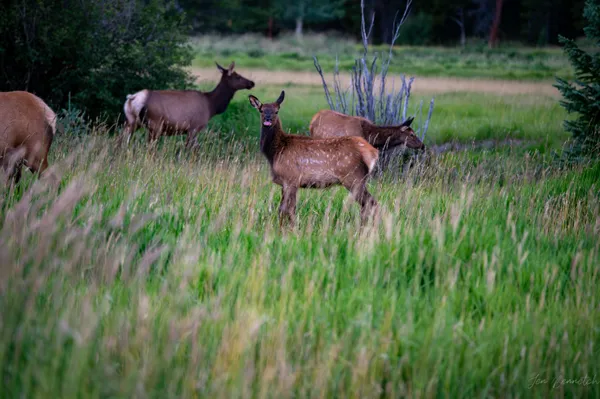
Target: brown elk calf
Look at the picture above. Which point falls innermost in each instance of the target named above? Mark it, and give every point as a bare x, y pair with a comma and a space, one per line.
327, 123
173, 112
27, 127
302, 161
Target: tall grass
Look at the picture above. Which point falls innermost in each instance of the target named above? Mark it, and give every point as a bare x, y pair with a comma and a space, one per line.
153, 272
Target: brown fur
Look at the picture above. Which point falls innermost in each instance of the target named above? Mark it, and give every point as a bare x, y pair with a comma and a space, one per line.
27, 127
327, 123
302, 161
173, 112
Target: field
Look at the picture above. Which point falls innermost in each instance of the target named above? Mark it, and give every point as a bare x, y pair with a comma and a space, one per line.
154, 272
476, 60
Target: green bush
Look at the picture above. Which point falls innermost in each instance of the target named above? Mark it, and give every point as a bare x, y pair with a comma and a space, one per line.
95, 51
583, 96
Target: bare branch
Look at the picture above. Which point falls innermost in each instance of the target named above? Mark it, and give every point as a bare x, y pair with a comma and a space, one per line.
365, 35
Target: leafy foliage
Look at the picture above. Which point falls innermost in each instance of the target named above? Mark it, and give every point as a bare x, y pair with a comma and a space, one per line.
95, 52
583, 95
311, 10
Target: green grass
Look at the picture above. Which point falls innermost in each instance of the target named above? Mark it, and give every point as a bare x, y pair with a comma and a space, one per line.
152, 272
249, 51
461, 117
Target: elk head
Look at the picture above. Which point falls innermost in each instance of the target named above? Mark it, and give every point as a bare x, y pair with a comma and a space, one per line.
408, 136
268, 112
233, 79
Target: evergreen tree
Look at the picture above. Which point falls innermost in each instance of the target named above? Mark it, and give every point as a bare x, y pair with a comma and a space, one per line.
301, 11
583, 95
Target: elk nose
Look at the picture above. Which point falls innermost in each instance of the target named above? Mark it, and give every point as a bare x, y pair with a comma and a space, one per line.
251, 85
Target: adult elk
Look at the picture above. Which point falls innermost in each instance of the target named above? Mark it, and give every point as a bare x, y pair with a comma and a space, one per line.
27, 127
328, 123
172, 112
302, 161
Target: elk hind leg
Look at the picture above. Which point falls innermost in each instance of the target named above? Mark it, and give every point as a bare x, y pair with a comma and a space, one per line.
130, 128
368, 204
192, 137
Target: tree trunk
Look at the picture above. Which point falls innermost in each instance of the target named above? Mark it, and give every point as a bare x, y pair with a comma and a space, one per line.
496, 24
270, 28
463, 36
299, 23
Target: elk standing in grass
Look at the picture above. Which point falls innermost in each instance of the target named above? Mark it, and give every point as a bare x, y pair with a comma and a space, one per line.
327, 123
27, 127
302, 161
173, 112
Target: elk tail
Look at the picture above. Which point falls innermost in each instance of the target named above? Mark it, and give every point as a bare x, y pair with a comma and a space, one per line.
134, 105
369, 154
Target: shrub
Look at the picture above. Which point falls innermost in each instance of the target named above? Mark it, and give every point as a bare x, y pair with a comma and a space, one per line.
583, 96
95, 51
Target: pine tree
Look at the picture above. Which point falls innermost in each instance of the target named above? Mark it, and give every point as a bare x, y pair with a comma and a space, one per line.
583, 95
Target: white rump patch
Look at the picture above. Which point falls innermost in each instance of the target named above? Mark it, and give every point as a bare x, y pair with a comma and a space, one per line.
134, 104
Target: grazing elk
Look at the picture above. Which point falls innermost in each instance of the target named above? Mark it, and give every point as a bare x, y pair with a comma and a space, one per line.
302, 161
27, 127
327, 123
172, 112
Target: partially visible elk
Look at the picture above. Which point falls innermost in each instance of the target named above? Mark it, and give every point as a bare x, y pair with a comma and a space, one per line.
304, 162
27, 128
327, 123
175, 112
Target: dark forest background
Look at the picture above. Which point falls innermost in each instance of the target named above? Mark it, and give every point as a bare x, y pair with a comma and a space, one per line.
532, 22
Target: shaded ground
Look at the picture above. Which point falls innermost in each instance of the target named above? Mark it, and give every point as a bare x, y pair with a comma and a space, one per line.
420, 85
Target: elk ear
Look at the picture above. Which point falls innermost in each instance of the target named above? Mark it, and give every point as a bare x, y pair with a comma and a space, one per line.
408, 121
220, 67
231, 66
281, 97
255, 102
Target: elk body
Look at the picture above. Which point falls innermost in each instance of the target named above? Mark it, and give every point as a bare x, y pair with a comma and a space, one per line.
173, 112
27, 127
327, 123
305, 162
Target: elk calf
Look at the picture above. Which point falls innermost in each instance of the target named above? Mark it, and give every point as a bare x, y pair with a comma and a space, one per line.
327, 123
301, 161
27, 127
173, 112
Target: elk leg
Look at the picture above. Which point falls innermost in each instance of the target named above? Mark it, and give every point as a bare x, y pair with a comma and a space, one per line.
368, 204
154, 131
287, 208
12, 168
192, 137
130, 128
16, 173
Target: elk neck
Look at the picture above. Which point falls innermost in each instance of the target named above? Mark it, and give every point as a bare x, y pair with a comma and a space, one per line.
220, 97
379, 135
270, 140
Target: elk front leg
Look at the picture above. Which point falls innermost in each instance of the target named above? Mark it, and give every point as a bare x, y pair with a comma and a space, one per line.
287, 208
12, 167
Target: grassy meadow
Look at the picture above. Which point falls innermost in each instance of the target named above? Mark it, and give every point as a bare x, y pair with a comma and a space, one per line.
475, 60
154, 272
